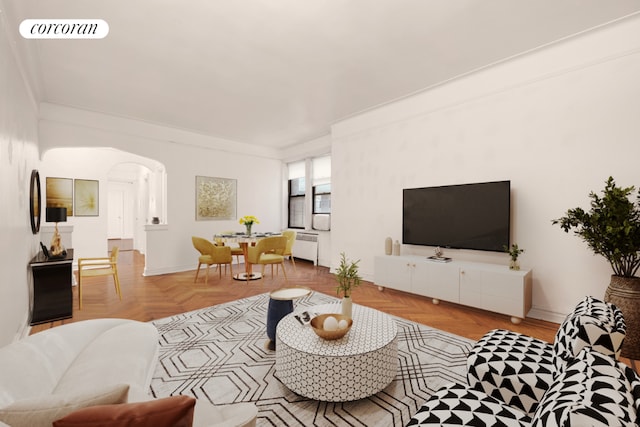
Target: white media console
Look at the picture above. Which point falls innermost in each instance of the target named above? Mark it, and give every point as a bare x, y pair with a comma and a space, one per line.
487, 286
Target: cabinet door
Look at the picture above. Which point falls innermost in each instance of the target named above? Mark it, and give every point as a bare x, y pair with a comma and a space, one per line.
52, 295
444, 282
420, 279
503, 293
393, 272
470, 287
499, 291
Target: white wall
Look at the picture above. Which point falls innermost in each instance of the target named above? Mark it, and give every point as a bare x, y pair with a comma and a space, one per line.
18, 157
89, 233
259, 180
556, 123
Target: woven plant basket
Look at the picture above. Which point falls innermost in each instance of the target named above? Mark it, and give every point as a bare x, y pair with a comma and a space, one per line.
624, 293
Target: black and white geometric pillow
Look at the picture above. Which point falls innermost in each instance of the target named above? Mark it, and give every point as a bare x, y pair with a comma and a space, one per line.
593, 323
457, 405
593, 390
514, 368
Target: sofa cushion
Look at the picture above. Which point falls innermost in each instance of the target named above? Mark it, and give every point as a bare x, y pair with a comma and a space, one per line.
34, 365
593, 390
593, 323
241, 414
457, 405
42, 411
514, 368
175, 411
126, 353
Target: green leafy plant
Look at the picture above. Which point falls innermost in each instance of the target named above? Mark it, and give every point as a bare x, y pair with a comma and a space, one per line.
347, 276
514, 251
611, 227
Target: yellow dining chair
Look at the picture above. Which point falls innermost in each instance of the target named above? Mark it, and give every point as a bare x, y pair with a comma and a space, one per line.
211, 254
93, 267
269, 250
291, 239
236, 251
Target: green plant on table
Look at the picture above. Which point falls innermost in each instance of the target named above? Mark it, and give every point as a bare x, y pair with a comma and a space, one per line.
514, 251
347, 276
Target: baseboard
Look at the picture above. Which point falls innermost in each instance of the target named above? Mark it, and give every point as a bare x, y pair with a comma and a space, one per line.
168, 270
546, 315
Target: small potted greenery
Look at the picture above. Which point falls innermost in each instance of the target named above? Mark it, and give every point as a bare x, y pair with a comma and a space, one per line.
514, 252
611, 228
348, 279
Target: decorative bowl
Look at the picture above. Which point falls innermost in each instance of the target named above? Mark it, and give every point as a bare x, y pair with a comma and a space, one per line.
318, 321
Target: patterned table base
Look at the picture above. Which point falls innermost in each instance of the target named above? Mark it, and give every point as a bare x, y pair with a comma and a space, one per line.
358, 365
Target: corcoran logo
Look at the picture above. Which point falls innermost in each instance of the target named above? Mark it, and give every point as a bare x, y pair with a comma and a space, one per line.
64, 28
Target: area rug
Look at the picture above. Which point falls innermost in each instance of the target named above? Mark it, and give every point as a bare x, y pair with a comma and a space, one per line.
219, 354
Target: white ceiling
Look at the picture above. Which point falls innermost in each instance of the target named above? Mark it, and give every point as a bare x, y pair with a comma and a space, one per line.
280, 72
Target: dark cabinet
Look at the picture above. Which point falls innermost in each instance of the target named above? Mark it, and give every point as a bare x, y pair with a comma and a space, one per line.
52, 281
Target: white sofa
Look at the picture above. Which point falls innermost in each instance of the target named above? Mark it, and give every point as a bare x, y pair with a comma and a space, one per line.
89, 358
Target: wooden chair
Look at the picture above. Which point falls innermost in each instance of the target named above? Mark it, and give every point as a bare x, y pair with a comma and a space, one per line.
291, 239
211, 254
236, 251
93, 267
269, 250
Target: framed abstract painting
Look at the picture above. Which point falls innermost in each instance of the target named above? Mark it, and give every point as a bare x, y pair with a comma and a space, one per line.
86, 197
215, 198
60, 193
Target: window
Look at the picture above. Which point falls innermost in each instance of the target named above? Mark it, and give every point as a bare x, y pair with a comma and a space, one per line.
309, 190
322, 198
321, 167
297, 194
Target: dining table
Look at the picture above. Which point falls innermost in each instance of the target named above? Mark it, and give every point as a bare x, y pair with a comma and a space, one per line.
244, 241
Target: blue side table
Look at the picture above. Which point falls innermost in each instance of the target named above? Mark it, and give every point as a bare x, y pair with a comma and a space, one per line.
281, 304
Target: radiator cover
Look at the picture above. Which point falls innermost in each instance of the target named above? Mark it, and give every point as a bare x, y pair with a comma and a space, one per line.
306, 247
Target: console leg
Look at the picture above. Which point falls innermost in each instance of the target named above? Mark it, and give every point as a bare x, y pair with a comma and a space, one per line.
516, 320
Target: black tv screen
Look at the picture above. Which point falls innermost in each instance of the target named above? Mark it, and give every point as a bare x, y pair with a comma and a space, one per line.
467, 216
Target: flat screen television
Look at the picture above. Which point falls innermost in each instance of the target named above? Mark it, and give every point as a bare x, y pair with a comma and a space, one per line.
468, 216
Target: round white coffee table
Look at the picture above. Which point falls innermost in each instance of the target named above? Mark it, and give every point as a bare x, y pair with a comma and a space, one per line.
358, 365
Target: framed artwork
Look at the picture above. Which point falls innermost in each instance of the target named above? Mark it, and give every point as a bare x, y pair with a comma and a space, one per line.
86, 197
60, 194
215, 198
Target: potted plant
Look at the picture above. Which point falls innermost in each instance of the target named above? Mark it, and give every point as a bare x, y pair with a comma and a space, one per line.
348, 279
514, 252
611, 228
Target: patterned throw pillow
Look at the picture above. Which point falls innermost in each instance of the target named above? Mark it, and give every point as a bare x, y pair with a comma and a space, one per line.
594, 390
593, 323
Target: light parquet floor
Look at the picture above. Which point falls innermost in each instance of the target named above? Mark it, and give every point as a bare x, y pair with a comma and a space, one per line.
156, 297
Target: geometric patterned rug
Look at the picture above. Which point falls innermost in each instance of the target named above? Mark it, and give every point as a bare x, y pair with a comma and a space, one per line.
219, 354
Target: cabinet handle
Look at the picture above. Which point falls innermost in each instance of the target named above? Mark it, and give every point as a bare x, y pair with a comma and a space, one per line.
461, 271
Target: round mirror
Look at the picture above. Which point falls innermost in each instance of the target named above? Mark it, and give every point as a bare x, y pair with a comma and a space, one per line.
35, 207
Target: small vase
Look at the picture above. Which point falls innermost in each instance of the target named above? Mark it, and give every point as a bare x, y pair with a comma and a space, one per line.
396, 248
514, 265
347, 306
388, 244
248, 226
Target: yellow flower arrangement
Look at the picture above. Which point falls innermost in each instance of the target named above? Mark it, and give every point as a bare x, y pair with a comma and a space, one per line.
249, 220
